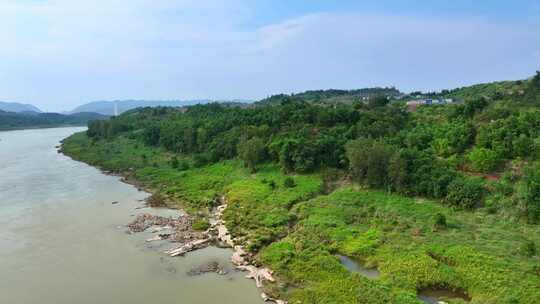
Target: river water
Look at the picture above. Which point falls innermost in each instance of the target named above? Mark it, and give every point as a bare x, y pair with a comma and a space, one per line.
62, 241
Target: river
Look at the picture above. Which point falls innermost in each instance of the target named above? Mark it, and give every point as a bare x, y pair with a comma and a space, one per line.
62, 241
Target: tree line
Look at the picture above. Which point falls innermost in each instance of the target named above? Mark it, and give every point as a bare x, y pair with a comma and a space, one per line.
437, 151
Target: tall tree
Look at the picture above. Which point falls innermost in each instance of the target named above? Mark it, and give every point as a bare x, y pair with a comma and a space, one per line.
251, 151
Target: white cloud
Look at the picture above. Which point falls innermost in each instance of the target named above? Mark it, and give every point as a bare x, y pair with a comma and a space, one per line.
60, 52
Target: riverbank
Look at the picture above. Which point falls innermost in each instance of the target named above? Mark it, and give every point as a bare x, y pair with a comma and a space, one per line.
298, 230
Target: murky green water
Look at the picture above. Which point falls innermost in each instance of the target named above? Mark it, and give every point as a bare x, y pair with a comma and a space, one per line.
61, 240
355, 266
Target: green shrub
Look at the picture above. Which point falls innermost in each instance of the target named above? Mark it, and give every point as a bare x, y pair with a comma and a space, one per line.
465, 193
289, 182
439, 220
369, 162
536, 270
528, 249
529, 192
523, 146
483, 160
183, 165
277, 255
200, 224
330, 177
361, 245
251, 152
200, 160
174, 162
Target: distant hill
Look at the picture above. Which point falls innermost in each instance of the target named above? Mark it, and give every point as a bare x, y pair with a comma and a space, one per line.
493, 90
333, 96
23, 120
17, 107
107, 107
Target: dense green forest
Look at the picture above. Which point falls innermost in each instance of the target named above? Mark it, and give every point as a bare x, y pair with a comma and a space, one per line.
446, 196
21, 120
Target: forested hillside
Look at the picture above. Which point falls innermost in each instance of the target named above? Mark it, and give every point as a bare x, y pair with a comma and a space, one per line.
447, 196
11, 120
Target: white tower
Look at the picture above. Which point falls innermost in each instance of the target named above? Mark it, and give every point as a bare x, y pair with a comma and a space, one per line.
115, 108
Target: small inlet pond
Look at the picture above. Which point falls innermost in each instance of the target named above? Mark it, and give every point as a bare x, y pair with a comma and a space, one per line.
357, 267
433, 295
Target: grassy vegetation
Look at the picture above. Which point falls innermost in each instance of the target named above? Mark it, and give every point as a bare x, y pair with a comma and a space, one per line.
258, 210
475, 253
194, 189
298, 232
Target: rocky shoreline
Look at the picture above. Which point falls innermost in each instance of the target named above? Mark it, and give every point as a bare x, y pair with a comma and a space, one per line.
179, 231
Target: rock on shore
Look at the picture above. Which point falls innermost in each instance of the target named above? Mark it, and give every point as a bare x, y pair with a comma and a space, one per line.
212, 266
240, 258
179, 230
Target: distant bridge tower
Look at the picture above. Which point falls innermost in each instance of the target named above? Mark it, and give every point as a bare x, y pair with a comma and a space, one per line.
115, 108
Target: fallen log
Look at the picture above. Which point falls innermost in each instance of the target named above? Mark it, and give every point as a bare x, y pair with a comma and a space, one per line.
190, 246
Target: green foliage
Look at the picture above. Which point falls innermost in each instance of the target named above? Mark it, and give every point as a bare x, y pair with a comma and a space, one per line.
528, 249
331, 179
439, 220
452, 137
183, 165
473, 106
495, 90
251, 151
369, 162
260, 214
378, 101
361, 245
296, 155
512, 136
483, 160
378, 228
278, 254
530, 193
381, 121
465, 193
174, 162
289, 182
151, 135
533, 90
200, 225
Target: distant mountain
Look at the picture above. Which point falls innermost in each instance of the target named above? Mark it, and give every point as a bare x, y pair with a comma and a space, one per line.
17, 107
108, 107
22, 120
333, 96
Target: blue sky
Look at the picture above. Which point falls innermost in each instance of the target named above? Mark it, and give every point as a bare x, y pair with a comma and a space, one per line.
58, 54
